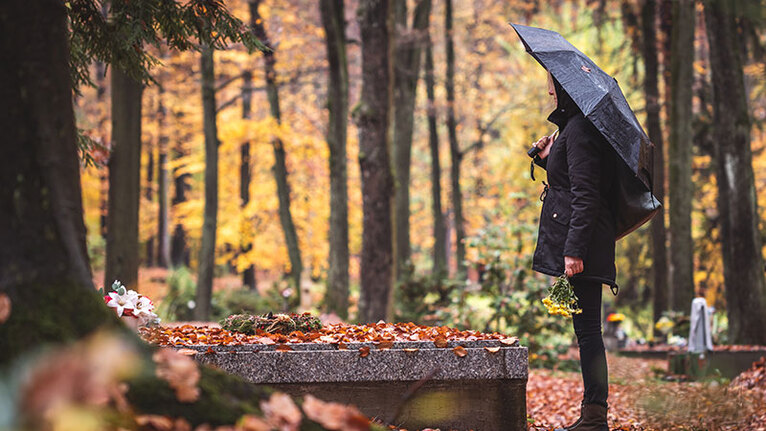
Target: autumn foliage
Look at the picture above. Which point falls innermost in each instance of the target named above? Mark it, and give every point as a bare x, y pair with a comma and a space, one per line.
381, 333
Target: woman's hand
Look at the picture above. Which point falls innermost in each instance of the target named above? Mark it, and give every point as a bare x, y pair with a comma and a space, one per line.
572, 265
544, 144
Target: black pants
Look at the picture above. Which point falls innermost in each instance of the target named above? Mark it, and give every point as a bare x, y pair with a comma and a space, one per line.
587, 326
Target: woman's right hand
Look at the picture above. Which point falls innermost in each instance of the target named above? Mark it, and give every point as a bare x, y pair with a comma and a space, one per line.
544, 144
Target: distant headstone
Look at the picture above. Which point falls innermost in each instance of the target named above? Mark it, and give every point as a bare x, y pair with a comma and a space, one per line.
700, 339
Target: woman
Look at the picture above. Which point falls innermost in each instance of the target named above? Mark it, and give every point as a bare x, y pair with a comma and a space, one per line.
577, 236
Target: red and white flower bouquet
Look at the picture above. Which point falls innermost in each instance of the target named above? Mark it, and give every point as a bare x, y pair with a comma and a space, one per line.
135, 309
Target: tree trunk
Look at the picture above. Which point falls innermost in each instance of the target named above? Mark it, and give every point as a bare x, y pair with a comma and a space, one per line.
372, 117
179, 251
333, 20
409, 44
149, 260
124, 181
456, 157
246, 243
440, 230
680, 156
654, 127
207, 249
163, 235
44, 269
737, 199
280, 163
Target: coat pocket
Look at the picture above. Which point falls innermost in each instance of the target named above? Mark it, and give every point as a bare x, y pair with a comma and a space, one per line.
559, 210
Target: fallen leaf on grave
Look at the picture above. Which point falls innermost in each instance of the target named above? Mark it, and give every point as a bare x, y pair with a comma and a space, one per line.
509, 341
364, 351
252, 423
328, 339
210, 351
283, 348
342, 346
266, 340
187, 352
281, 412
492, 349
460, 351
5, 307
411, 350
441, 342
385, 345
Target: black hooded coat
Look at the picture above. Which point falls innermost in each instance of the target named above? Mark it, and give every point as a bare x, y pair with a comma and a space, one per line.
577, 217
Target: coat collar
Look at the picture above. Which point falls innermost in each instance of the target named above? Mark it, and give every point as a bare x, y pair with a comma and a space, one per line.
561, 116
566, 108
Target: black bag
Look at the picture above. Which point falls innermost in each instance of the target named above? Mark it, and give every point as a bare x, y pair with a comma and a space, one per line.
634, 203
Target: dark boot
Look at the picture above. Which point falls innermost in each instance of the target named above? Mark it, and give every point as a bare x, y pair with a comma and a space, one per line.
592, 418
575, 423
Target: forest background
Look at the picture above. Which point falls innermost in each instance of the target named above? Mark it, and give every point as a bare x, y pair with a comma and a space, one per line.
500, 107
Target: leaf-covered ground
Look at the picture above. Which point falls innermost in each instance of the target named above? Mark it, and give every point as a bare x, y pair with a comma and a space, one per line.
640, 400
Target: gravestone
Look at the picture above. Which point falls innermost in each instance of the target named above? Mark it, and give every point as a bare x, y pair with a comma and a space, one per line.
480, 385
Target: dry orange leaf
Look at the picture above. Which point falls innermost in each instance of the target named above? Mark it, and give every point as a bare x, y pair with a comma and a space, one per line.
284, 348
460, 351
364, 351
492, 349
342, 346
510, 341
384, 345
441, 342
413, 350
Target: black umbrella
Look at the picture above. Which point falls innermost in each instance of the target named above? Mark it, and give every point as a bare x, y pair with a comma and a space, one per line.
601, 101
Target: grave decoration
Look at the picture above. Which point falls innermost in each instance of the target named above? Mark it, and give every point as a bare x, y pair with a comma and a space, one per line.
134, 309
271, 323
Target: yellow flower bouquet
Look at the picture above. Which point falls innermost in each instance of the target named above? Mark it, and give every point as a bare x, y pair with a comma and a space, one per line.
561, 299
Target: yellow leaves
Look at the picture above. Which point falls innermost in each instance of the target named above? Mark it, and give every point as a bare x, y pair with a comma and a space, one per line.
180, 372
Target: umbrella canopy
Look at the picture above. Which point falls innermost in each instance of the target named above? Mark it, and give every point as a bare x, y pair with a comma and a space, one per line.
596, 94
601, 101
